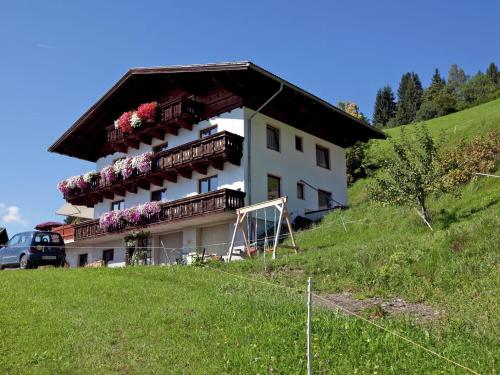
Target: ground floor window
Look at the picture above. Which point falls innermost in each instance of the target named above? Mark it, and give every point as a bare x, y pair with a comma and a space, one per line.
108, 255
273, 187
300, 191
324, 199
83, 260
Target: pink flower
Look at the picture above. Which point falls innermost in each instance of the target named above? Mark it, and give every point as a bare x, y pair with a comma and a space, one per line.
108, 174
126, 169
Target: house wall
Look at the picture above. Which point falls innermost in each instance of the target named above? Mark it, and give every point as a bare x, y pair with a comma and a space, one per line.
232, 177
94, 252
292, 165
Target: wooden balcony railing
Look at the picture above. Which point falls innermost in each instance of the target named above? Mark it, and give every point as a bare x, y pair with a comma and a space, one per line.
66, 231
181, 113
197, 155
198, 205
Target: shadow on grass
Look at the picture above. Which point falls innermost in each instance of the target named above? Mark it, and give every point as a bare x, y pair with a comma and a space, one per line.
445, 218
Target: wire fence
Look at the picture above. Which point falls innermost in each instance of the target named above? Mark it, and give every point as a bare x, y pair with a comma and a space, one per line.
343, 222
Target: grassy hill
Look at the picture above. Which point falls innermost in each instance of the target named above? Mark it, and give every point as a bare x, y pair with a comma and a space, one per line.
206, 321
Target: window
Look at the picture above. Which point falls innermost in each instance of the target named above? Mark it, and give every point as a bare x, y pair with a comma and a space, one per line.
273, 138
324, 199
300, 191
107, 255
118, 205
273, 187
207, 184
49, 238
82, 260
298, 143
159, 195
322, 157
14, 241
208, 131
161, 147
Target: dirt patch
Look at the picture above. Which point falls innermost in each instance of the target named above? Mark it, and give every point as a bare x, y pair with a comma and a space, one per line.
378, 307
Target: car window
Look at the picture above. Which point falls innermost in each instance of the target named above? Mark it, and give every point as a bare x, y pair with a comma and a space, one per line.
47, 238
14, 240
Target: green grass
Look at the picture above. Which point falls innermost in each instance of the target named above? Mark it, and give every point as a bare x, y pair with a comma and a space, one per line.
187, 320
466, 124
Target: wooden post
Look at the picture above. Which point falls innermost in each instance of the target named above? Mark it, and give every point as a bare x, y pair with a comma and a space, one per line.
276, 238
165, 251
309, 313
231, 247
290, 230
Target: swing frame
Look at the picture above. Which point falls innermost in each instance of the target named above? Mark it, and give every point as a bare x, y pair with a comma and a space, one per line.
243, 213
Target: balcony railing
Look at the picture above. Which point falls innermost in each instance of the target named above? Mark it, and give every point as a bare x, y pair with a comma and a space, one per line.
191, 207
197, 155
66, 231
182, 113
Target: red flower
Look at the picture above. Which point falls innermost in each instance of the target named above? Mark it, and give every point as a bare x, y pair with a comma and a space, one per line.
124, 122
147, 111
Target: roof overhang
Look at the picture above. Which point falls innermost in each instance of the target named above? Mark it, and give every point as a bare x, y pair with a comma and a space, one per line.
252, 83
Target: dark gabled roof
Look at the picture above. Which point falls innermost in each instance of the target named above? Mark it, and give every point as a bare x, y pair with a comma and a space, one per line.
253, 83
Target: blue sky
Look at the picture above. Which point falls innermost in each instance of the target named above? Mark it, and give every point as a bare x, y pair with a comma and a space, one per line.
59, 57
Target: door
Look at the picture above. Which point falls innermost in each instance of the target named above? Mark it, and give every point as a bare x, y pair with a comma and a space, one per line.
9, 252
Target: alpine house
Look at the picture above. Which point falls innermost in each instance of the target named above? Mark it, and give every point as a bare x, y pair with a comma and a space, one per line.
178, 149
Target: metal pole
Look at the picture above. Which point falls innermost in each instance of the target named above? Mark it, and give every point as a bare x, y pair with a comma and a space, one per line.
309, 313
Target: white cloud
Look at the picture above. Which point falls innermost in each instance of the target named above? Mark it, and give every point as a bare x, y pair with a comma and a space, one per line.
11, 215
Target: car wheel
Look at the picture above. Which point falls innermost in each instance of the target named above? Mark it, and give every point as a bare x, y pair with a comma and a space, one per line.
1, 267
23, 263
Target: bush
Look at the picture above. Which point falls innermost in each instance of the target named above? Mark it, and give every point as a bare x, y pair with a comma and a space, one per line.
481, 155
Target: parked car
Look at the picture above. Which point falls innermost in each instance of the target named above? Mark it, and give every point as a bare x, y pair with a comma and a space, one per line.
32, 249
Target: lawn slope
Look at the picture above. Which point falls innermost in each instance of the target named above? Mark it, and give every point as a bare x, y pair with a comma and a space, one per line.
188, 320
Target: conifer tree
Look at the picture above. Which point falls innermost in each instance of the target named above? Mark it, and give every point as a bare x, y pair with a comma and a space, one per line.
385, 106
493, 74
410, 93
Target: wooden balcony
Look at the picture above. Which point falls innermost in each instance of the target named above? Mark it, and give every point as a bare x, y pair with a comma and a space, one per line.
186, 208
66, 231
169, 164
182, 113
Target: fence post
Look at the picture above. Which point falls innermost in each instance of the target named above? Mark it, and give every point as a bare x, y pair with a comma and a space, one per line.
309, 313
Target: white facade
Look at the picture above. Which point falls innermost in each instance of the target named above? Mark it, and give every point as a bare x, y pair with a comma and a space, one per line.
289, 164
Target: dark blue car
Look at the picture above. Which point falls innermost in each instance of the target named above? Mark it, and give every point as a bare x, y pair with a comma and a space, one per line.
32, 249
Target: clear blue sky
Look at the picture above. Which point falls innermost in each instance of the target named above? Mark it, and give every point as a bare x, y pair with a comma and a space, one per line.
58, 57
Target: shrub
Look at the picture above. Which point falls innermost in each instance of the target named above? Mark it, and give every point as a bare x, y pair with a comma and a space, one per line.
481, 155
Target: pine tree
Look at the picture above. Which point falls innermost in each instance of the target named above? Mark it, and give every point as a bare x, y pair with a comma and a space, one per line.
385, 106
456, 75
410, 93
437, 85
493, 74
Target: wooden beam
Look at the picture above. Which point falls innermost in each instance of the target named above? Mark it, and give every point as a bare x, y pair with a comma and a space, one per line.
156, 180
131, 188
218, 164
134, 143
143, 184
119, 147
186, 173
118, 190
174, 130
257, 206
171, 177
108, 194
200, 167
144, 138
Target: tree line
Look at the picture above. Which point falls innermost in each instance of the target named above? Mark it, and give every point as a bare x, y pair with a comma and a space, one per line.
443, 96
